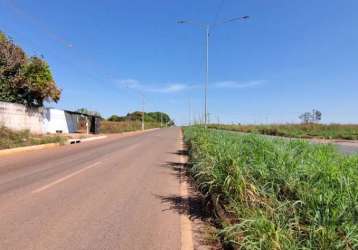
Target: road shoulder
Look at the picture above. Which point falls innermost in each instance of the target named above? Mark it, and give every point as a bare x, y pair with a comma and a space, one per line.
17, 150
196, 230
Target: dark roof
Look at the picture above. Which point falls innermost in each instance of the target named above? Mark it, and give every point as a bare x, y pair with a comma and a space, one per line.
79, 113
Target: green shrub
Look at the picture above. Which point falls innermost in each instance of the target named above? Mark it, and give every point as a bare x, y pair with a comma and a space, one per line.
278, 194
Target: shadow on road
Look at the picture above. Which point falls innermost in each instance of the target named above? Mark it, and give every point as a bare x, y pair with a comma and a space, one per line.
182, 152
194, 206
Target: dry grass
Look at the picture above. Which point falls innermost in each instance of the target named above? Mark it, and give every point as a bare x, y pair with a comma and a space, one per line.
12, 139
108, 127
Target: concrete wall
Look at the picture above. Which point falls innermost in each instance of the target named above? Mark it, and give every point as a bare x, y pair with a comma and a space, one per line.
43, 120
59, 121
20, 117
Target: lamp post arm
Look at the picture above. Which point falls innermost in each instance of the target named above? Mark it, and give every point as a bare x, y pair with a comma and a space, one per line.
241, 18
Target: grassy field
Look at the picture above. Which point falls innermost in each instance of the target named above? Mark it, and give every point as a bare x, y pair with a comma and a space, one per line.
278, 194
331, 131
12, 139
108, 127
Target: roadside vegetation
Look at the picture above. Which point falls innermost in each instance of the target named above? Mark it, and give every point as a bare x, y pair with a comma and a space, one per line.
23, 79
89, 112
133, 121
13, 139
277, 194
149, 117
310, 130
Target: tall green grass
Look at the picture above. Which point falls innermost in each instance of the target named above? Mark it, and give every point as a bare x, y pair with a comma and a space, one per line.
278, 194
323, 131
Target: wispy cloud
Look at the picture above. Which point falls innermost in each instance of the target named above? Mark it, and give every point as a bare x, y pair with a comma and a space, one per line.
128, 83
180, 87
170, 88
238, 84
157, 88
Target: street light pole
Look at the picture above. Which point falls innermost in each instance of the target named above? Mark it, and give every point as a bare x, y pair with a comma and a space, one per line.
142, 111
207, 35
161, 119
189, 121
206, 76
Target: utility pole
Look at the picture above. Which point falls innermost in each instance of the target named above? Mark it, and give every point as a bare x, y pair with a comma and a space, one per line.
189, 112
206, 76
142, 111
161, 119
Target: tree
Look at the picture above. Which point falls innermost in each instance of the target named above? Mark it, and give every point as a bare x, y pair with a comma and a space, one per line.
11, 60
24, 80
309, 117
116, 118
158, 117
135, 116
306, 117
36, 84
317, 115
88, 112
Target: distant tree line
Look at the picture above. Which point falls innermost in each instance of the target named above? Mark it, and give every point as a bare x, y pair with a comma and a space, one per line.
148, 117
88, 112
25, 80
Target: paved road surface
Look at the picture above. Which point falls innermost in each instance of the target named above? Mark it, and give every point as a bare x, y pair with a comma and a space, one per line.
347, 149
109, 194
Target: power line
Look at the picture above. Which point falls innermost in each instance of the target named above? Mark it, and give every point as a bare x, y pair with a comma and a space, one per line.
13, 5
59, 57
36, 21
219, 9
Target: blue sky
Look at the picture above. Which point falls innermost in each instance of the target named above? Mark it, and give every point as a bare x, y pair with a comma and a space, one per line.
290, 57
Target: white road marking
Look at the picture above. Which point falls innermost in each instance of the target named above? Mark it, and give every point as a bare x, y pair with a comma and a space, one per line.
185, 223
65, 178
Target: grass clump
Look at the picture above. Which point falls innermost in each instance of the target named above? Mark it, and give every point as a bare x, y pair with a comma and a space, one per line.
278, 194
108, 127
12, 139
322, 131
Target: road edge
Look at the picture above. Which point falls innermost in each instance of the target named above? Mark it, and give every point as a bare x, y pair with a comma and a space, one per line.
185, 222
11, 151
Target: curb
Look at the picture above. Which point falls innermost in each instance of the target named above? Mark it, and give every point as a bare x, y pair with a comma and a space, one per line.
28, 148
93, 138
10, 151
186, 227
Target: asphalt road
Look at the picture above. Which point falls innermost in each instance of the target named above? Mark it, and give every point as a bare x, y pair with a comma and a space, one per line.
115, 193
347, 149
